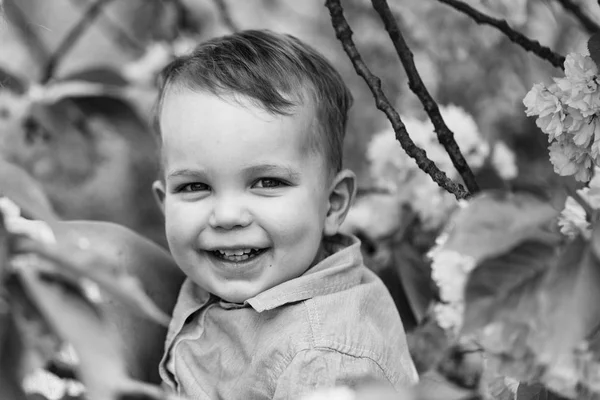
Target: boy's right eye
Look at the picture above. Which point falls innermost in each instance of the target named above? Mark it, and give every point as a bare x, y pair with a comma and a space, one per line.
193, 187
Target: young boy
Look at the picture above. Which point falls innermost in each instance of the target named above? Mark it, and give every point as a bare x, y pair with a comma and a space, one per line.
276, 302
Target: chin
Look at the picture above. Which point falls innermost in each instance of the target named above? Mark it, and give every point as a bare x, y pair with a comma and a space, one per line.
238, 298
237, 295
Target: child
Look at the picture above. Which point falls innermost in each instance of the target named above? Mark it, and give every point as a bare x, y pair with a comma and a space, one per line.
276, 302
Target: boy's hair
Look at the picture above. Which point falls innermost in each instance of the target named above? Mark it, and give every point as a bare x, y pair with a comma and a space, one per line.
276, 72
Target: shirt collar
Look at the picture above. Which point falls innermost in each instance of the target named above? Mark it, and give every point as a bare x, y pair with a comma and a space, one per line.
337, 272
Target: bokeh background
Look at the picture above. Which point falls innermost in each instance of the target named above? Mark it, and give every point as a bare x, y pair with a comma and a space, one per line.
91, 145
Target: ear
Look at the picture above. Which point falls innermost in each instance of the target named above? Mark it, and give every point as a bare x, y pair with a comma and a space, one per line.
158, 189
341, 197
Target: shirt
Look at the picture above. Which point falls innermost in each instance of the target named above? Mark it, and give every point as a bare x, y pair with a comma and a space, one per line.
335, 323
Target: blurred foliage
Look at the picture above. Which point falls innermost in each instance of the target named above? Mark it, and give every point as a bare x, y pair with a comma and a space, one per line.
77, 86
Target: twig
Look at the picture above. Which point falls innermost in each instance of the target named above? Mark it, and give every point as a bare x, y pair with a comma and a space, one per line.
444, 134
72, 36
533, 46
226, 15
344, 34
589, 24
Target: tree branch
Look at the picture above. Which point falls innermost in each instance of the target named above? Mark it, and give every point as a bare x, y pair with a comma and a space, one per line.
589, 24
72, 36
533, 46
344, 35
444, 134
226, 15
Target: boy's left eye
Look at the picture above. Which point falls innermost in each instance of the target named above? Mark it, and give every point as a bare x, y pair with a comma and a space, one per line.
266, 183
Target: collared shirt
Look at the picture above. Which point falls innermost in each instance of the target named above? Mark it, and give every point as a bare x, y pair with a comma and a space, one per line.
335, 323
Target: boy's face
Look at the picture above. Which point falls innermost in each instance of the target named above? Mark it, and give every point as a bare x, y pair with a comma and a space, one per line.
244, 198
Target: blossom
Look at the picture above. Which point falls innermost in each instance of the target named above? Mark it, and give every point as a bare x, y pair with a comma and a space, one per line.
449, 270
504, 161
568, 111
393, 169
569, 159
572, 221
449, 316
11, 214
541, 101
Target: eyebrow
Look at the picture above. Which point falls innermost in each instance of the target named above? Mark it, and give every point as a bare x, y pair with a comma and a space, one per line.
265, 169
184, 172
259, 169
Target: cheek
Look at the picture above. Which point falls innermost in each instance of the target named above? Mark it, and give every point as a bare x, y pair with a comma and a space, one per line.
181, 221
295, 221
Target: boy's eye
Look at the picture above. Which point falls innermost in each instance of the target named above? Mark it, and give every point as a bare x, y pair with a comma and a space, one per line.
194, 187
266, 183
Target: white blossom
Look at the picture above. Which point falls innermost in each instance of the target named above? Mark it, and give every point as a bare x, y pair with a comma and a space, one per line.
450, 271
11, 214
504, 161
393, 169
568, 111
572, 220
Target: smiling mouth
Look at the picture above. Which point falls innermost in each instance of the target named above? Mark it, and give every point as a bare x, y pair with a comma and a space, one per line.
237, 255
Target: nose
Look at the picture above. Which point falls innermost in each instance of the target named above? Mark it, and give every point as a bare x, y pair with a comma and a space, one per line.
229, 212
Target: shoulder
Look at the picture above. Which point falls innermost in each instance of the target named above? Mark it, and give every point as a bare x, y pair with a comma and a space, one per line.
362, 322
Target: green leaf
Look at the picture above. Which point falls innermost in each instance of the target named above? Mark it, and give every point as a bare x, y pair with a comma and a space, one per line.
533, 309
535, 391
25, 191
434, 386
88, 262
496, 221
97, 74
11, 354
80, 323
427, 345
415, 278
10, 81
500, 285
594, 47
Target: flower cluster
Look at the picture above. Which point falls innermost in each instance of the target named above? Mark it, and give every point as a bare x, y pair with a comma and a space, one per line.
450, 270
394, 170
567, 111
572, 220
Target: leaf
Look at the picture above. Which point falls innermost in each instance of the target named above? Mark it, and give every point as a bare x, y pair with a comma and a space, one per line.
10, 81
10, 359
25, 191
535, 391
504, 283
78, 322
434, 386
97, 74
415, 279
84, 261
594, 47
535, 323
496, 221
427, 345
64, 90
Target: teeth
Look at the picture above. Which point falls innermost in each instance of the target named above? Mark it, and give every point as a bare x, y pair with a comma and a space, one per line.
237, 252
236, 255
